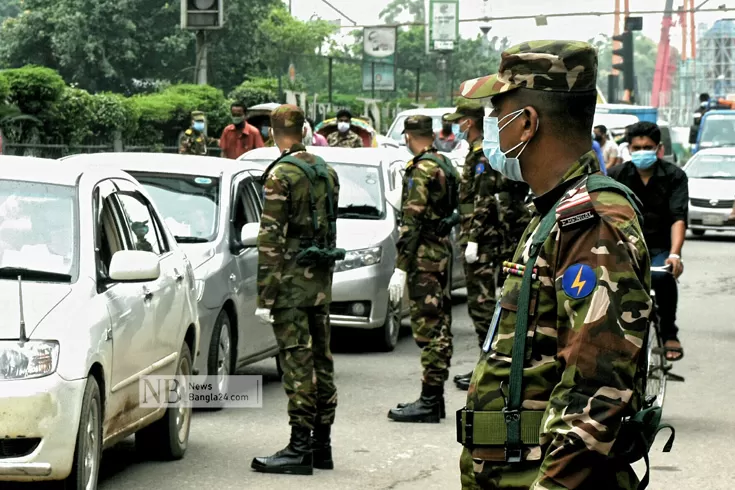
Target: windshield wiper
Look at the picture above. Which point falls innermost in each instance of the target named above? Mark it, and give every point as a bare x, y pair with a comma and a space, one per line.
360, 211
32, 274
190, 239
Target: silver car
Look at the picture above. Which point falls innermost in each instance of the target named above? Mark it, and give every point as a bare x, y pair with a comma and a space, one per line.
711, 176
206, 202
366, 228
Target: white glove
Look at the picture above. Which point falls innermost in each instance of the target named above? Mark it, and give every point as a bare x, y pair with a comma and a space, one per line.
264, 314
396, 286
470, 254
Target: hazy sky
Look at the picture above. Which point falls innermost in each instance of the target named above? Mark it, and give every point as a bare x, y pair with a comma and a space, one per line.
582, 28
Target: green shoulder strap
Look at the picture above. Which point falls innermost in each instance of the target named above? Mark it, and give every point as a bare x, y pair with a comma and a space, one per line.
318, 170
512, 411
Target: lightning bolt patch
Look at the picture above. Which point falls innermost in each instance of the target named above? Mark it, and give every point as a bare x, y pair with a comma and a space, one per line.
579, 281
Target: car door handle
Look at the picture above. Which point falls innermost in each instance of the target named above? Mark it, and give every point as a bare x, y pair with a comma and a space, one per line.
233, 277
178, 276
147, 294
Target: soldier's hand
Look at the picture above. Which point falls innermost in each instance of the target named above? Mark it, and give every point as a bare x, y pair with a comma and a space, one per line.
264, 314
397, 286
470, 255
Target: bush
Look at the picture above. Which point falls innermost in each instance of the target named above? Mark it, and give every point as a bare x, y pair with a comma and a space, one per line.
34, 89
256, 91
72, 116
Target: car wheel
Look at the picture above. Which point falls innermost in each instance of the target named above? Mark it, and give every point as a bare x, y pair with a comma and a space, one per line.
698, 232
220, 362
168, 438
88, 452
386, 337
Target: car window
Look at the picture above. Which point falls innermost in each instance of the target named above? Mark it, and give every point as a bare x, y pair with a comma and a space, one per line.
146, 235
719, 130
396, 132
711, 167
244, 206
109, 235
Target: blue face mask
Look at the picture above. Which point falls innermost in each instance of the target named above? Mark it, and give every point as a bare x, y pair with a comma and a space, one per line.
460, 135
198, 126
499, 161
644, 159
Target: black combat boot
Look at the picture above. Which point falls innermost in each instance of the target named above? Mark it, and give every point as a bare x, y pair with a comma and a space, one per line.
462, 376
442, 411
321, 445
294, 459
427, 409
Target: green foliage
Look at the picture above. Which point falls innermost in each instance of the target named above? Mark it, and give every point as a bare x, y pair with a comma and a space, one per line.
33, 89
256, 91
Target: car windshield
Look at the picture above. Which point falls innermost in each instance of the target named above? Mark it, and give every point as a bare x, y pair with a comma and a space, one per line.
712, 167
361, 191
38, 231
718, 130
396, 132
189, 204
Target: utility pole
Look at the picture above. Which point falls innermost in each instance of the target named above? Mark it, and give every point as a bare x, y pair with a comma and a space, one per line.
202, 56
202, 16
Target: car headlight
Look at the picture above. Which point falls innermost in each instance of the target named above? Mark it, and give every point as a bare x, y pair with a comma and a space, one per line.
354, 259
200, 288
33, 359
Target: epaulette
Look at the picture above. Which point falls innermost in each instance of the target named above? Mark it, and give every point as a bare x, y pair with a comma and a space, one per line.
188, 132
575, 208
477, 147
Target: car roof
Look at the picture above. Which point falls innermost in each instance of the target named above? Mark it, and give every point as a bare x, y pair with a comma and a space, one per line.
356, 156
725, 151
173, 163
48, 171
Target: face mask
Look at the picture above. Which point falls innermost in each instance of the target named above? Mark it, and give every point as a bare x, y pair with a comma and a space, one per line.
265, 131
199, 126
458, 133
499, 161
237, 120
598, 138
343, 127
644, 159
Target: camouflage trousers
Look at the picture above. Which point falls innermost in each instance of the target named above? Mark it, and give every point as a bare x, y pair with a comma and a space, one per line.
303, 336
603, 475
481, 285
431, 323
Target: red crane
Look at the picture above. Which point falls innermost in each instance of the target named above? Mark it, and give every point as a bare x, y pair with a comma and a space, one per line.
662, 77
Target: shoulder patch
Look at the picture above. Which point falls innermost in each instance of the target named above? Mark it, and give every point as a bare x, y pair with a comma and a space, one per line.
480, 168
188, 132
579, 281
576, 207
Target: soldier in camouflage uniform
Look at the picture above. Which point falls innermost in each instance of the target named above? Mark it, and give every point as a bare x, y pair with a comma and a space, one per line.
295, 295
488, 204
194, 141
344, 137
424, 258
581, 369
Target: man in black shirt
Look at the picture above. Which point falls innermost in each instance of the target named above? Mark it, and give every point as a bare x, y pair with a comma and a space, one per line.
663, 188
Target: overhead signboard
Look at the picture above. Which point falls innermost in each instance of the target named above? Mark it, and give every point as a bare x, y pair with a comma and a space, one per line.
379, 58
443, 22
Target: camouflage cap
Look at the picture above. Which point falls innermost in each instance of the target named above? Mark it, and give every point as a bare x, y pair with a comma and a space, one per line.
287, 116
418, 123
198, 116
559, 66
466, 108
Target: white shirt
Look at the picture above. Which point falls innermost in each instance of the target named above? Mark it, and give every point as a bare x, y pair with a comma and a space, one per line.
610, 152
624, 151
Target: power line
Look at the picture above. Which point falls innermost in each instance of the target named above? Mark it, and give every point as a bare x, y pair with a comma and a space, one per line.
568, 14
340, 12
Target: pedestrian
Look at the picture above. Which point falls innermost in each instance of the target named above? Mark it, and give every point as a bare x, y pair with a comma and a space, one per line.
486, 220
600, 157
194, 141
663, 188
446, 140
239, 137
624, 148
609, 147
424, 263
561, 365
296, 257
344, 137
319, 140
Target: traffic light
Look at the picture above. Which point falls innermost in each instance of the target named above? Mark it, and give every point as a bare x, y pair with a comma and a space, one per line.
202, 14
626, 53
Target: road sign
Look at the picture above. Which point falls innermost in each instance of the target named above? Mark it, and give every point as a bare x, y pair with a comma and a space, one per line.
379, 58
202, 14
443, 21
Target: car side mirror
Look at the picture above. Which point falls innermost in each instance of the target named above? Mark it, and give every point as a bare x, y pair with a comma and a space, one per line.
249, 234
134, 266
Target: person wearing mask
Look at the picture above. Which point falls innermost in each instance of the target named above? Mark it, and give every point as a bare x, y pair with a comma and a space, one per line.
239, 137
424, 265
319, 140
663, 188
446, 140
344, 137
265, 133
561, 368
624, 149
194, 141
609, 148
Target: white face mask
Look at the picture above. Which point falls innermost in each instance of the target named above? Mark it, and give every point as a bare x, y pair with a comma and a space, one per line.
343, 127
499, 161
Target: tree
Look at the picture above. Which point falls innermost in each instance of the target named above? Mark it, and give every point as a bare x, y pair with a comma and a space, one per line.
9, 8
414, 8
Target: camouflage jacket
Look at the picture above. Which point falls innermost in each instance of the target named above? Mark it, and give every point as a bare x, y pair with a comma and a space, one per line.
424, 190
195, 143
285, 221
589, 313
348, 140
492, 208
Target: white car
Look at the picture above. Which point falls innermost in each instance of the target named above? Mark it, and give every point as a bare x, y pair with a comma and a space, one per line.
104, 298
